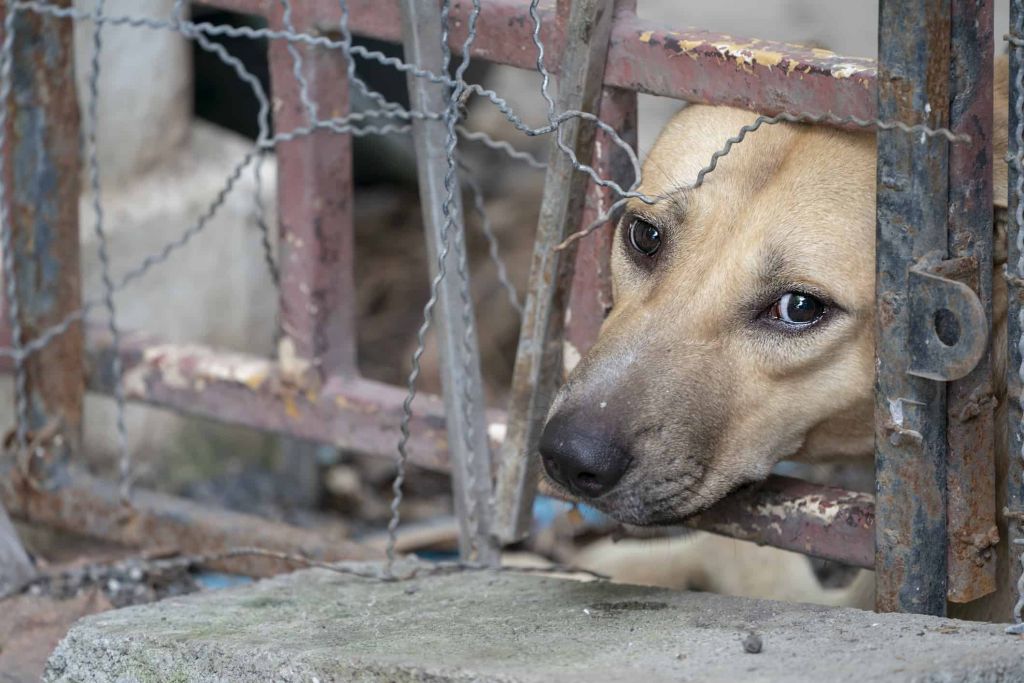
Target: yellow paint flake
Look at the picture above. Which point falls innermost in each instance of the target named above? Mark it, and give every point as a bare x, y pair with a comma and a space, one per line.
689, 45
290, 409
768, 58
645, 37
845, 70
254, 380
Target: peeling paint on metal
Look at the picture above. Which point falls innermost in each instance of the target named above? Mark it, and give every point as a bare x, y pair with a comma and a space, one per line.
496, 431
896, 411
184, 366
570, 356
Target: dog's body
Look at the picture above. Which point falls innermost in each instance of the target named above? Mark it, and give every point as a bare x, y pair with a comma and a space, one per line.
743, 327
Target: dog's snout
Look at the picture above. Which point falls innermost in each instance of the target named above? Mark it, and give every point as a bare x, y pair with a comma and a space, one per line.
578, 455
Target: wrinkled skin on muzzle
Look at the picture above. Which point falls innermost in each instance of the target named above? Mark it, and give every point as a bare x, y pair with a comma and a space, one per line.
622, 397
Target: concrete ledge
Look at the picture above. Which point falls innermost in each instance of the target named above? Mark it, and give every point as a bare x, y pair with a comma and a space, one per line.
486, 626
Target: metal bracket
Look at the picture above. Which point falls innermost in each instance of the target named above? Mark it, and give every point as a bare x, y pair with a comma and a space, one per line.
948, 328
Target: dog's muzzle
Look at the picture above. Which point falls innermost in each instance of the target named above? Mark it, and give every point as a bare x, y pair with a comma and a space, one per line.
579, 455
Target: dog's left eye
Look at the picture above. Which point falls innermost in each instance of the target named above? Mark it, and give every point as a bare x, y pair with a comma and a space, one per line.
644, 237
797, 309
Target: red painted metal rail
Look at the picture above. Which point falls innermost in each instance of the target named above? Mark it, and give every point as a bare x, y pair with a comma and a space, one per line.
644, 56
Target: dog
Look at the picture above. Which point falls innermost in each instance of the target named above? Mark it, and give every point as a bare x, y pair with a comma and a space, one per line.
742, 331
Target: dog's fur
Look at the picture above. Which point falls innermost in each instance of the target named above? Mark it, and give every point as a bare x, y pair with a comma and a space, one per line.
696, 386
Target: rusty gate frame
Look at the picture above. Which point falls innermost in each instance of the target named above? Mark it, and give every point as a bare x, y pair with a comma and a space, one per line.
313, 390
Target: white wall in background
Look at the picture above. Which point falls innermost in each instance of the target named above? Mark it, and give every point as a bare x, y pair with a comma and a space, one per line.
145, 88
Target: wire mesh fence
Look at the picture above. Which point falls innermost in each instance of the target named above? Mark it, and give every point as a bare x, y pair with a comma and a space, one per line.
435, 117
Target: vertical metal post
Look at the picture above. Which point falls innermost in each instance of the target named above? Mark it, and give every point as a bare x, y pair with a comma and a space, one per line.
912, 204
970, 474
539, 356
1015, 314
460, 357
41, 177
316, 235
314, 192
591, 296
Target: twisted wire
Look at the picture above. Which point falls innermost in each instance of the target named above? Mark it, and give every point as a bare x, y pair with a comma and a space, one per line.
92, 124
457, 225
493, 245
6, 244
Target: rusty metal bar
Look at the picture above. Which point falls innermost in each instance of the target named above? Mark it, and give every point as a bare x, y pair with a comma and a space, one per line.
351, 413
822, 521
316, 230
590, 297
314, 207
970, 473
1014, 490
538, 363
644, 56
910, 412
41, 175
445, 231
792, 514
167, 524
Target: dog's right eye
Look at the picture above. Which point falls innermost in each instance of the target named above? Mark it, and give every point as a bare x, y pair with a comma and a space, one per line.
644, 237
797, 309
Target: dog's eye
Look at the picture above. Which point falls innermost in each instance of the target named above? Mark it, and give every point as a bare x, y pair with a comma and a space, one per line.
644, 237
797, 310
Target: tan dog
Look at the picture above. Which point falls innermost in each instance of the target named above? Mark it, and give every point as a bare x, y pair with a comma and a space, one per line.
743, 326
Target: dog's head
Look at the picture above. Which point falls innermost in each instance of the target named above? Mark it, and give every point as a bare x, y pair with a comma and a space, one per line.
743, 327
742, 331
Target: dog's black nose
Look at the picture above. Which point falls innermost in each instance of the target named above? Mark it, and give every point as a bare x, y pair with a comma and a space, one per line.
579, 457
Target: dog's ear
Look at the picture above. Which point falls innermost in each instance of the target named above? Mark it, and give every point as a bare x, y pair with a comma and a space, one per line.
1000, 123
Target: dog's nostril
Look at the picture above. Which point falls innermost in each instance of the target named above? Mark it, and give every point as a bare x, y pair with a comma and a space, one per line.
590, 484
587, 463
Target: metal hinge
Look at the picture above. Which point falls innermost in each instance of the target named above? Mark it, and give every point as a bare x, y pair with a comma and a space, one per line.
948, 327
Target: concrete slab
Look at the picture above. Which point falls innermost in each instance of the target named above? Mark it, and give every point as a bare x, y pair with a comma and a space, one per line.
489, 626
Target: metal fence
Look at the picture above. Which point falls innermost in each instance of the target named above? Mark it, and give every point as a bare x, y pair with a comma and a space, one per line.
929, 530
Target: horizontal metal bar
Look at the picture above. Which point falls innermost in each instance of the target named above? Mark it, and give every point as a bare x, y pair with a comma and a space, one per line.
693, 65
93, 508
792, 514
351, 413
823, 521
